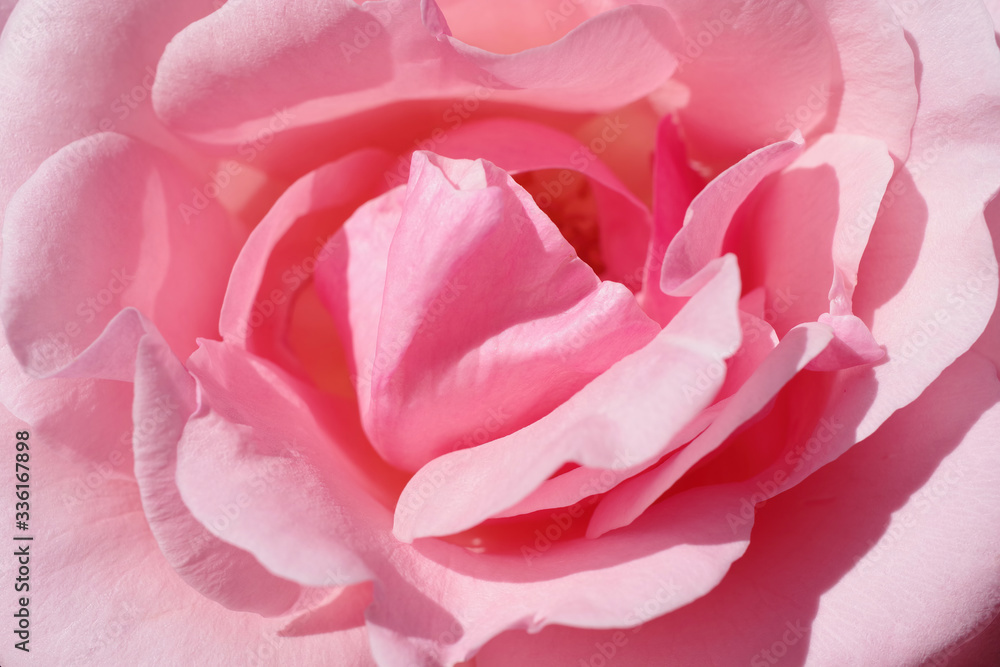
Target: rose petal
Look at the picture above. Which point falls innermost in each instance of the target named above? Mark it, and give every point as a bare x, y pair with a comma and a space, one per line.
707, 219
282, 252
52, 96
629, 500
255, 57
109, 597
747, 83
164, 399
518, 146
88, 238
877, 93
305, 516
625, 416
879, 558
807, 234
487, 319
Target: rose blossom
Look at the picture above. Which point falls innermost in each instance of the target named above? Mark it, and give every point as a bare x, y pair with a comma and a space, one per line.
523, 333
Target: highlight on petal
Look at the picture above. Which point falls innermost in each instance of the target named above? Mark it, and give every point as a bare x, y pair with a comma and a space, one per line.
807, 233
87, 237
626, 502
53, 95
222, 77
700, 239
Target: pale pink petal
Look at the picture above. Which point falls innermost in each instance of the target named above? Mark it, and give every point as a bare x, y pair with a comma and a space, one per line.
877, 92
6, 7
751, 74
880, 558
105, 595
433, 602
86, 238
259, 424
581, 483
164, 399
623, 418
807, 234
56, 406
509, 26
629, 500
54, 95
708, 217
927, 283
989, 343
223, 77
488, 320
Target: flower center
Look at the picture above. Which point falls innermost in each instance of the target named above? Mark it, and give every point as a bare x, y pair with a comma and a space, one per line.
568, 199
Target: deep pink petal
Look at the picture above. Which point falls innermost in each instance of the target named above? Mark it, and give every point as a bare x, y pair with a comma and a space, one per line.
488, 320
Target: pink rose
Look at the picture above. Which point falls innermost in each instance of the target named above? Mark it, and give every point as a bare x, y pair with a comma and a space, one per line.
517, 333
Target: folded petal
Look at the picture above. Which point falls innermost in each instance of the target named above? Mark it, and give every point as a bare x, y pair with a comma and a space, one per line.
627, 501
625, 416
879, 558
164, 399
343, 58
486, 318
88, 237
307, 514
52, 96
708, 217
108, 596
